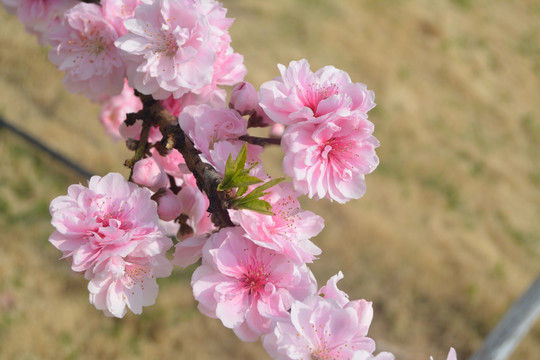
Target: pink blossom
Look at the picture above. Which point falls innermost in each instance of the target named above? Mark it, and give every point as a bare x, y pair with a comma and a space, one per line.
363, 308
331, 291
325, 326
229, 68
300, 95
319, 328
288, 231
147, 172
111, 217
205, 126
126, 282
116, 11
246, 286
114, 111
83, 47
110, 231
188, 251
328, 158
170, 47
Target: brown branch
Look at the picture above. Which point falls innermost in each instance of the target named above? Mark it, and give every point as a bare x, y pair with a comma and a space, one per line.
261, 141
255, 120
206, 176
142, 146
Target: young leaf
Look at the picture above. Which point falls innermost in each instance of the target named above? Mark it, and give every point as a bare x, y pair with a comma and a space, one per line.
257, 205
245, 180
241, 191
230, 167
235, 173
252, 202
259, 190
241, 159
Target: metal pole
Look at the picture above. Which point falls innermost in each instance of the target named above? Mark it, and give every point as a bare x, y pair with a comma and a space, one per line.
516, 323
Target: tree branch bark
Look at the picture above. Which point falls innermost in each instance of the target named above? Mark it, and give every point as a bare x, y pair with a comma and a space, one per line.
206, 176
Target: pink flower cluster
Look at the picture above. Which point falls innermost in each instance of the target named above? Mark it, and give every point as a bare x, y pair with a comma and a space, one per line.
328, 142
253, 274
83, 46
176, 47
110, 231
325, 326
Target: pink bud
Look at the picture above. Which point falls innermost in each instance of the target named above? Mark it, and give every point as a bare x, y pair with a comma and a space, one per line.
244, 98
277, 130
169, 205
147, 172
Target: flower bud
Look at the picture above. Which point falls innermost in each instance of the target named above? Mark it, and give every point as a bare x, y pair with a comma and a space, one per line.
147, 172
169, 205
244, 98
277, 130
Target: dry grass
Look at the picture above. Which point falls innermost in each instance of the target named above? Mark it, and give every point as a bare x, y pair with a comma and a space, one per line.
444, 240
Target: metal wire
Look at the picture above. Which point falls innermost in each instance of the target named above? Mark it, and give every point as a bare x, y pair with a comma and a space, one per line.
44, 148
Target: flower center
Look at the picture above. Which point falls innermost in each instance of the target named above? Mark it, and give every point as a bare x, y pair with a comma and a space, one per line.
324, 351
135, 274
94, 44
254, 279
336, 149
111, 214
324, 354
167, 44
315, 93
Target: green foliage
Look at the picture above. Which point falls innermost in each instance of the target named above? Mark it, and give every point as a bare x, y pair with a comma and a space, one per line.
237, 177
252, 202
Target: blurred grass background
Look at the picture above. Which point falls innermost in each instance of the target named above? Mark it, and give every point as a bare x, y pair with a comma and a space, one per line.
446, 238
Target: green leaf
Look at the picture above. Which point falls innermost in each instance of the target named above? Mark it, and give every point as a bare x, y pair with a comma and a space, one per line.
245, 180
257, 205
241, 159
259, 190
241, 191
235, 173
236, 176
229, 174
252, 202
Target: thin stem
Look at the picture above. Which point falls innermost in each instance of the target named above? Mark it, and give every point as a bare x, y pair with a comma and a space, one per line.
142, 146
261, 141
